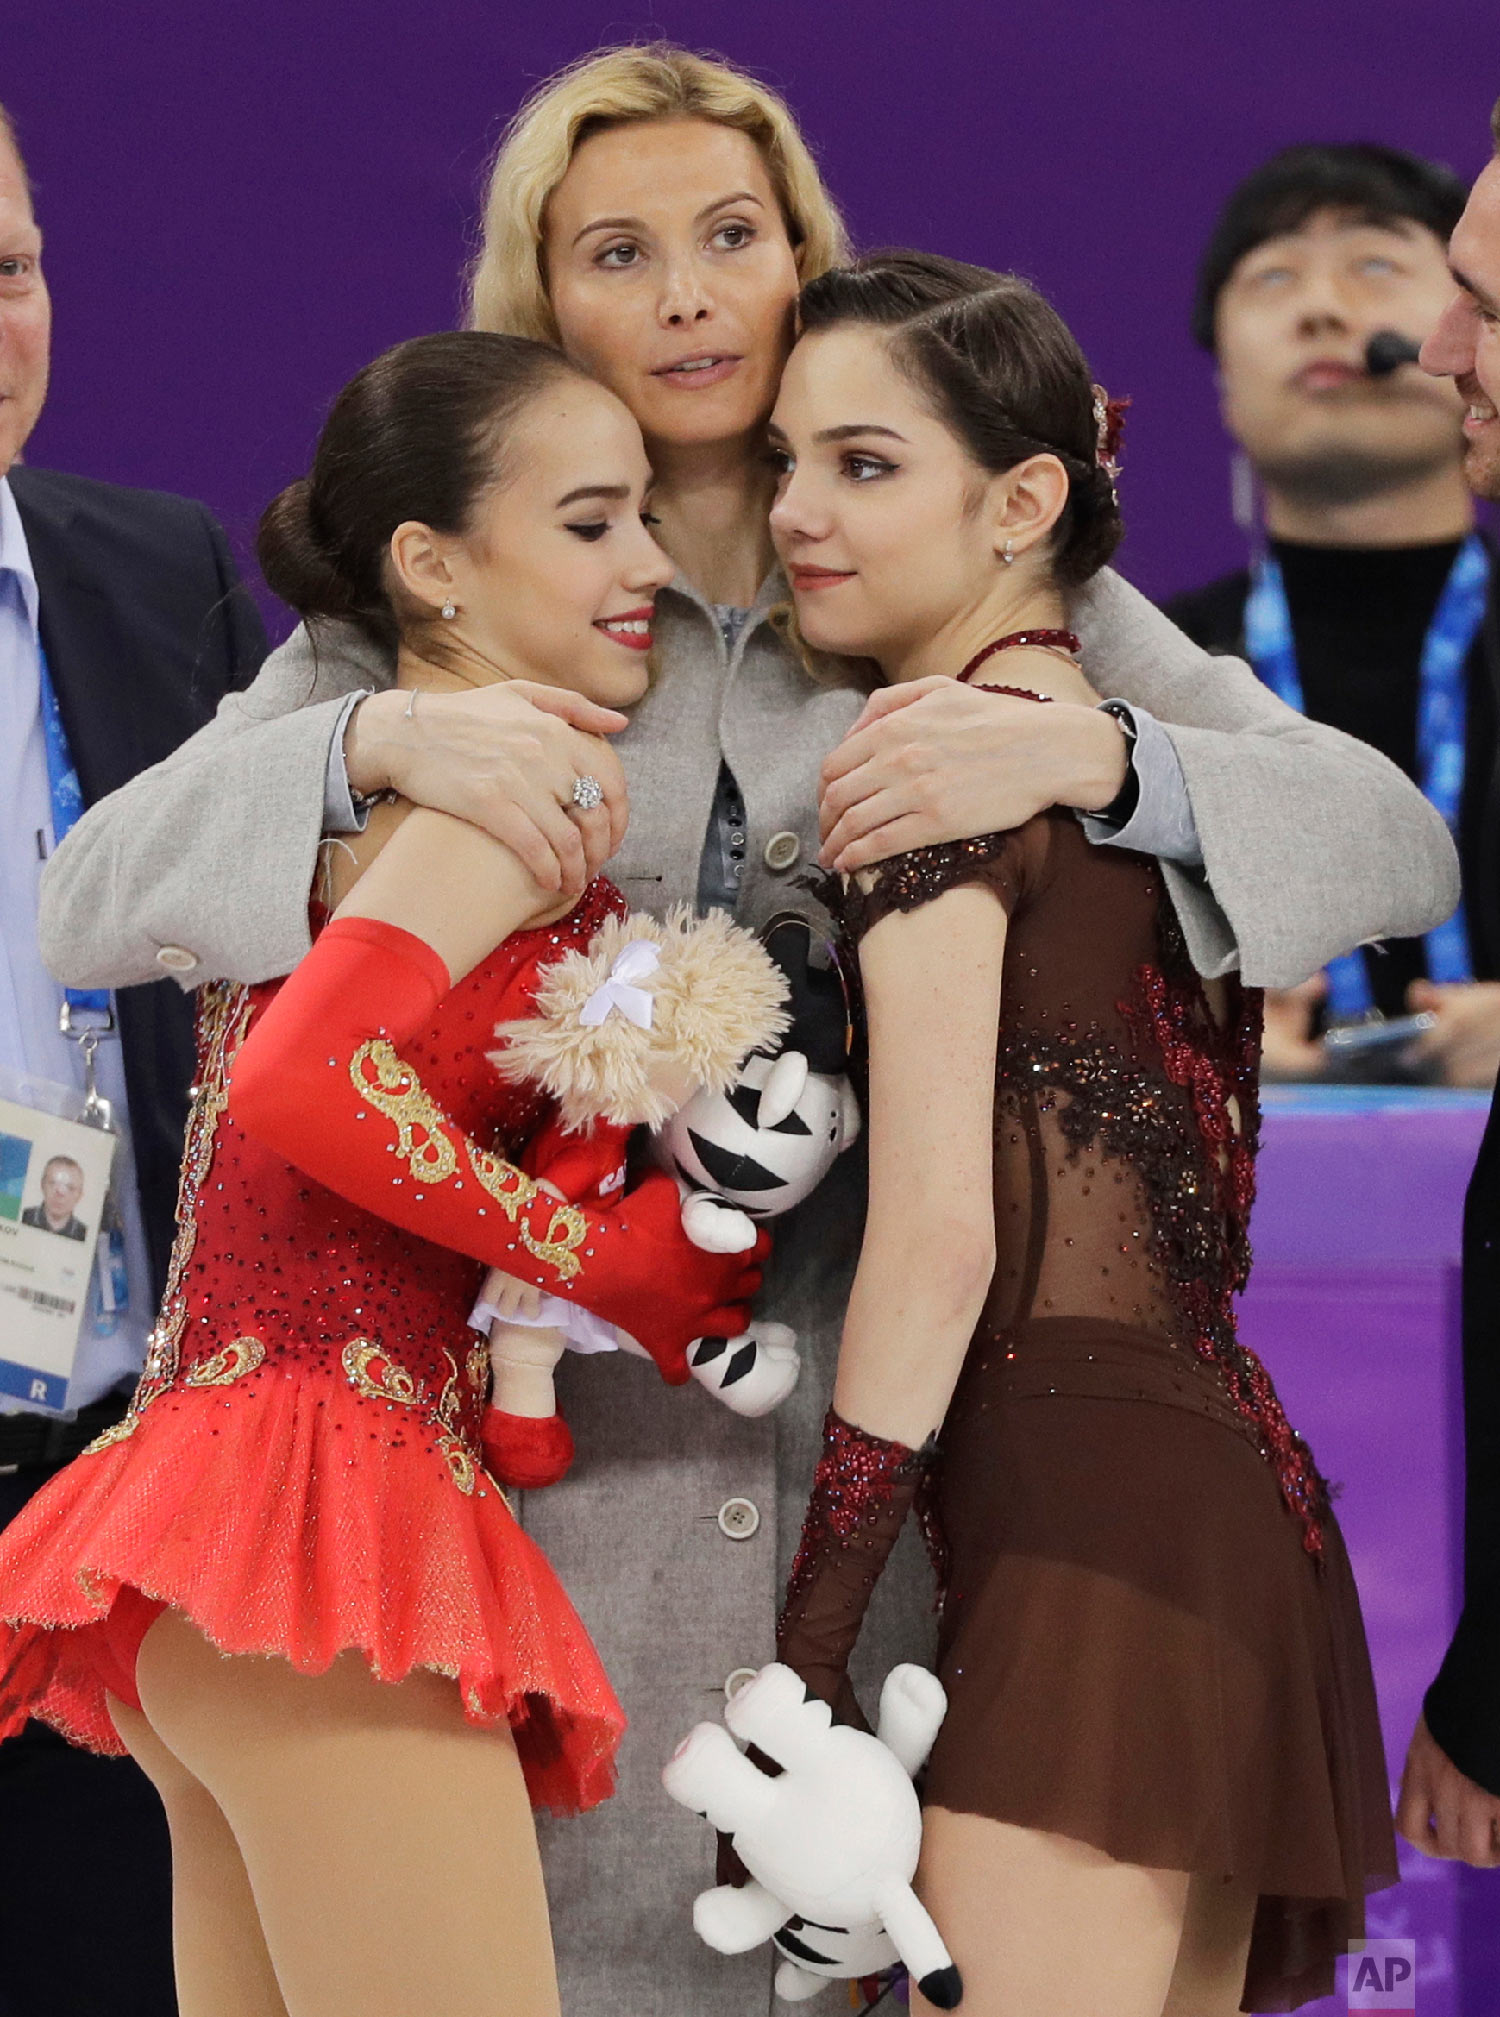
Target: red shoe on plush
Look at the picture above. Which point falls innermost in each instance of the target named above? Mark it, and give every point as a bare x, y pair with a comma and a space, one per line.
527, 1451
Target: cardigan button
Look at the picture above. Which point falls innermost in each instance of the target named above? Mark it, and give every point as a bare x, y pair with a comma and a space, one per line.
783, 851
740, 1678
739, 1519
176, 959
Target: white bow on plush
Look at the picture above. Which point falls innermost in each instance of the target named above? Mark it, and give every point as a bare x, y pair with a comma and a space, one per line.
620, 992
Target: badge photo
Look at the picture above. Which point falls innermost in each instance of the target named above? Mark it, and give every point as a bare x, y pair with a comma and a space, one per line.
54, 1180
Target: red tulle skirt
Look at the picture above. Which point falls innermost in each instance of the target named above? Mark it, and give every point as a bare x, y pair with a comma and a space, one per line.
295, 1517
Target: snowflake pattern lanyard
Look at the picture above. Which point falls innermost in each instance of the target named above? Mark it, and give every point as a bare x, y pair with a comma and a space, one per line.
1442, 705
87, 1016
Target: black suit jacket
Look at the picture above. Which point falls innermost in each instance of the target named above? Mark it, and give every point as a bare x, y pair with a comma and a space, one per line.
146, 627
1463, 1704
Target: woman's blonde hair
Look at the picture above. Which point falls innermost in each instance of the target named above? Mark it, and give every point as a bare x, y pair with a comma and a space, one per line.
614, 87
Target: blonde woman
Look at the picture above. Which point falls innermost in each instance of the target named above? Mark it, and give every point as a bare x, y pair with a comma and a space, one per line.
655, 214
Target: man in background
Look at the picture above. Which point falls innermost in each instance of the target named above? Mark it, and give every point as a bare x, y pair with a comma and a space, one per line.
121, 626
1373, 606
1450, 1796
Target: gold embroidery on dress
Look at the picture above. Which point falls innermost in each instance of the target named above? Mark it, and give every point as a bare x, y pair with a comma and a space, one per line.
479, 1369
223, 1015
93, 1588
375, 1374
115, 1433
567, 1229
461, 1466
450, 1403
232, 1363
395, 1091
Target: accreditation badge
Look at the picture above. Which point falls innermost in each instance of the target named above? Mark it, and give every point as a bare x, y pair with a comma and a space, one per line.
54, 1199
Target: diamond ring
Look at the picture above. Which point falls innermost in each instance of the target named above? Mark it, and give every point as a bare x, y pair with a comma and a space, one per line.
587, 793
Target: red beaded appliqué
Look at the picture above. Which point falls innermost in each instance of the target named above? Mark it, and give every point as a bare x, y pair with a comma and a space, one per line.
1218, 1067
858, 1476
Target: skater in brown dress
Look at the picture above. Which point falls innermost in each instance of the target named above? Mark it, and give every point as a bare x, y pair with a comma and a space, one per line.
1160, 1789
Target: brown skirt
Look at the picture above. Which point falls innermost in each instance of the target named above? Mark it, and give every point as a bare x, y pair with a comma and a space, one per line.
1138, 1651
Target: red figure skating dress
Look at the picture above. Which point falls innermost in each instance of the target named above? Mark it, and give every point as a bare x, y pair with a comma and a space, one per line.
301, 1469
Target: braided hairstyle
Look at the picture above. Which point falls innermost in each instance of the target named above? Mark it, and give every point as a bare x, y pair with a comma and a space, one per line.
418, 434
1001, 370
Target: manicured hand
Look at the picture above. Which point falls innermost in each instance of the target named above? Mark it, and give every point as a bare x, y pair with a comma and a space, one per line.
505, 758
1465, 1041
935, 761
1441, 1812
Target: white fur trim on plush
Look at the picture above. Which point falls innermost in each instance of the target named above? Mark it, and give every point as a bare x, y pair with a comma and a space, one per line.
716, 996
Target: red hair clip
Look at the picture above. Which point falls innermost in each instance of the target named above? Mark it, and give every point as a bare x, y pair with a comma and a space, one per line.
1109, 420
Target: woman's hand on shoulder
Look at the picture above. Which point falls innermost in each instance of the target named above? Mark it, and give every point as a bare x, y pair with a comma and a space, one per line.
505, 758
935, 761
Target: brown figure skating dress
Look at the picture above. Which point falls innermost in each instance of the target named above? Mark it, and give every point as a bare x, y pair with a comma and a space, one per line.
1150, 1635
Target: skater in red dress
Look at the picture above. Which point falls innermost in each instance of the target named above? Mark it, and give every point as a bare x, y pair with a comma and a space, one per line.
286, 1582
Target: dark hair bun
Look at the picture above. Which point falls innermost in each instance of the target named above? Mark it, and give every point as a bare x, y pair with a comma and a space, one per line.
1092, 527
296, 564
418, 435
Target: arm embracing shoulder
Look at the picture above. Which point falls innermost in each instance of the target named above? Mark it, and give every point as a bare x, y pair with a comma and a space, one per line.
214, 849
323, 1080
932, 991
1312, 841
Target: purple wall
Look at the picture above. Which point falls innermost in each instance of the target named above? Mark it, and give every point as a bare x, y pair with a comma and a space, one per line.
245, 204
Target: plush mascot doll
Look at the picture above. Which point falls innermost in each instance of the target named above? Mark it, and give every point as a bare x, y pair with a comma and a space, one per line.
831, 1843
677, 1027
760, 1147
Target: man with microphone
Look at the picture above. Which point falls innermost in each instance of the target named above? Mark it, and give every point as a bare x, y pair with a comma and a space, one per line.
1370, 599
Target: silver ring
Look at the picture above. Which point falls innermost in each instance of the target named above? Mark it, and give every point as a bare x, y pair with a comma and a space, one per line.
587, 793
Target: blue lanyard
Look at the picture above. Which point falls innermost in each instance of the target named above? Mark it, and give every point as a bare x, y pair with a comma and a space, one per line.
1442, 704
67, 806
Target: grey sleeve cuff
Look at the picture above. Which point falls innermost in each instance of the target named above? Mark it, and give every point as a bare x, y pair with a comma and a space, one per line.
1162, 823
340, 813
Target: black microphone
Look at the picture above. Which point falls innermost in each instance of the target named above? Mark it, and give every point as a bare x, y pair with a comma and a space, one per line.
1387, 350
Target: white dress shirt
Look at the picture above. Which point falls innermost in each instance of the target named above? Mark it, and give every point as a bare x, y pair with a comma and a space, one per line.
31, 1044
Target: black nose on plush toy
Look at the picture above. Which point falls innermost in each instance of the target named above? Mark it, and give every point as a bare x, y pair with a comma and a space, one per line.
943, 1988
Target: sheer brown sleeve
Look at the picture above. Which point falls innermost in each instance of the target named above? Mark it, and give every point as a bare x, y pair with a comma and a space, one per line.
1009, 863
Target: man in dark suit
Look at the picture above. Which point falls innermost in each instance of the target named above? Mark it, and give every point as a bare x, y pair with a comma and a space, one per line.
124, 606
62, 1187
1450, 1795
1370, 542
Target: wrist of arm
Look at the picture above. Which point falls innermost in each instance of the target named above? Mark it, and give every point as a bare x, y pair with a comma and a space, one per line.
909, 1324
373, 742
1096, 761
